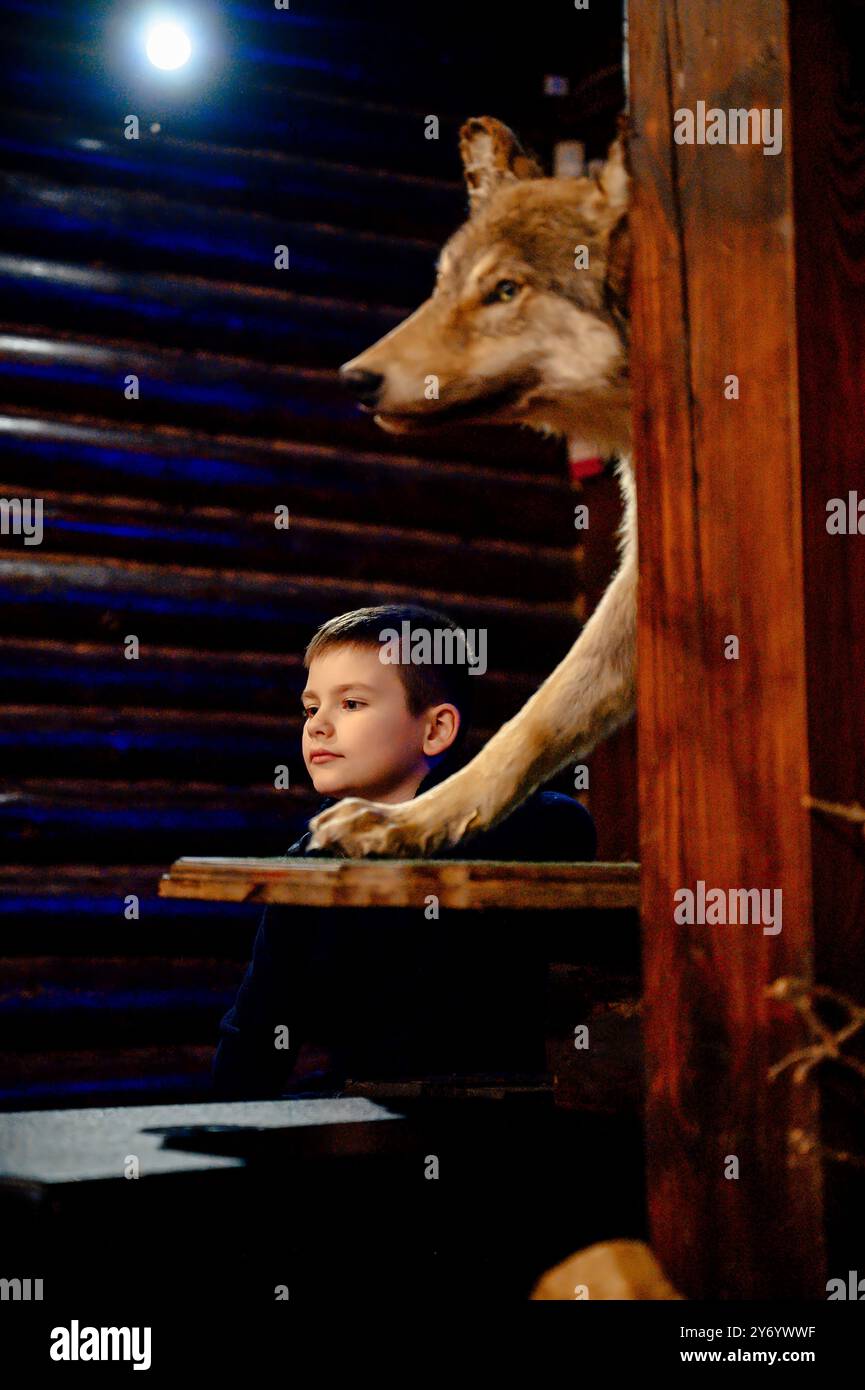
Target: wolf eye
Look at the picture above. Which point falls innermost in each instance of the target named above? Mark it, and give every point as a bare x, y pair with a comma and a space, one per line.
504, 290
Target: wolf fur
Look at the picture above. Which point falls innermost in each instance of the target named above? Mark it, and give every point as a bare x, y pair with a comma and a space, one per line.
514, 334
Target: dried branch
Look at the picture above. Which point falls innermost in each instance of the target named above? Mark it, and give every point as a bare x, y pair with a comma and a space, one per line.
828, 1043
852, 812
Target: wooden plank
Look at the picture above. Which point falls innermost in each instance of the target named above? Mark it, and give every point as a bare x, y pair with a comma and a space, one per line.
723, 743
828, 153
467, 884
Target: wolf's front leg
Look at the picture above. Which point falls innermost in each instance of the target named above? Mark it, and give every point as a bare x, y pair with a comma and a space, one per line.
356, 828
588, 695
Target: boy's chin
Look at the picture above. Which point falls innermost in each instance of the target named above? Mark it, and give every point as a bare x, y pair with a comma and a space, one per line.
329, 782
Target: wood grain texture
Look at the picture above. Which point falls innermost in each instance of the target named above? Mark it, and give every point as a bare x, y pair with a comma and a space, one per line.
723, 743
828, 160
467, 884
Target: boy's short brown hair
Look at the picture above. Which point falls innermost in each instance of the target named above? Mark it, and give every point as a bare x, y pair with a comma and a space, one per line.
425, 684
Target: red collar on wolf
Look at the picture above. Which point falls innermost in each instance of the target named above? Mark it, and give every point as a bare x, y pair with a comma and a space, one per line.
528, 320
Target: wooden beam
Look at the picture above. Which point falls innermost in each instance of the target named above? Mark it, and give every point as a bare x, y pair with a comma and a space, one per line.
828, 153
403, 883
734, 1178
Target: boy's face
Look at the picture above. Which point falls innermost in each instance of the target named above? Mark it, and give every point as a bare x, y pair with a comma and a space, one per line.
356, 710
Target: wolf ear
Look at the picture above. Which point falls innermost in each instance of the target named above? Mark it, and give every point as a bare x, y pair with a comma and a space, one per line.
614, 180
617, 285
492, 155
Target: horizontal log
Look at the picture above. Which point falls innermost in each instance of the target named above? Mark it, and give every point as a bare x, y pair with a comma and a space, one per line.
226, 176
61, 881
51, 1077
95, 456
78, 674
285, 105
59, 821
135, 230
166, 533
225, 394
114, 1076
81, 911
91, 980
323, 81
106, 574
467, 884
214, 608
46, 1067
51, 1001
180, 310
222, 748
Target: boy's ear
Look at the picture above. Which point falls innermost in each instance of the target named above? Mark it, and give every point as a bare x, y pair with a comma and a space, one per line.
492, 155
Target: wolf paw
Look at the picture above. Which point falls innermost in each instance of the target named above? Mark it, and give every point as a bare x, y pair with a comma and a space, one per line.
356, 828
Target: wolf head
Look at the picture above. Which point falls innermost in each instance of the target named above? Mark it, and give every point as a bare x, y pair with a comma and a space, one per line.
522, 326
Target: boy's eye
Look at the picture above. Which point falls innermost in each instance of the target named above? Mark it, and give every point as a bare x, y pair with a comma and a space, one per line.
309, 710
504, 291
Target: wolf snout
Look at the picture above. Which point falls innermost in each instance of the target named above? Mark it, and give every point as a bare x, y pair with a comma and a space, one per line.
365, 386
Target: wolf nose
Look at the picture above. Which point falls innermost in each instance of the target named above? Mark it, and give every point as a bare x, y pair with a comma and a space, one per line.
364, 385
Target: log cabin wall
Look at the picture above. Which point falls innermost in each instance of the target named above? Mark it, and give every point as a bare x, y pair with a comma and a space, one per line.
154, 258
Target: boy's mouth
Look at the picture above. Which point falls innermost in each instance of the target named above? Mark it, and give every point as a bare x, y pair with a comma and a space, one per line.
323, 757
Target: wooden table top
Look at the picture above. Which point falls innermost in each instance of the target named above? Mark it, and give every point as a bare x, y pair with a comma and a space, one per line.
470, 884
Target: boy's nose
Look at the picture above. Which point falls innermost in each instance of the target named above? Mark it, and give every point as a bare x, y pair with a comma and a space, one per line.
364, 385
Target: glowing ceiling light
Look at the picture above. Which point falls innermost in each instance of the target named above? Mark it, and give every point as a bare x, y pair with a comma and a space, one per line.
168, 46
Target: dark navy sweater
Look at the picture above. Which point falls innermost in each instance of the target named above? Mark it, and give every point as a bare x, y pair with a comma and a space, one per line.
392, 993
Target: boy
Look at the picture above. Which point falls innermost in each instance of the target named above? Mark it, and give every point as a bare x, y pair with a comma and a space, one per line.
409, 993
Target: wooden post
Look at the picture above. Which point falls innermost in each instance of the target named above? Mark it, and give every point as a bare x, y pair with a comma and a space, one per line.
828, 158
734, 1173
